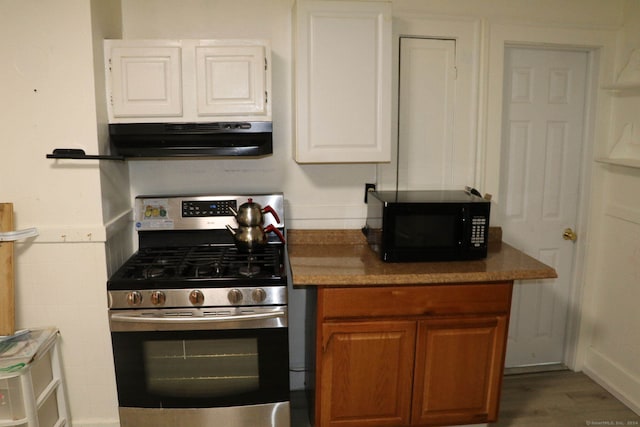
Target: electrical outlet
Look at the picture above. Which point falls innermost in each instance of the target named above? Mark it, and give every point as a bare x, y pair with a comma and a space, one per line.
367, 189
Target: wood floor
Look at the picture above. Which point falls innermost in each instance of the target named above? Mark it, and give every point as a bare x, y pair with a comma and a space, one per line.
547, 399
560, 399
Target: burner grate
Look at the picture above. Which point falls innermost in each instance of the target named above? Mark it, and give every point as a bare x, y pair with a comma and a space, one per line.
201, 262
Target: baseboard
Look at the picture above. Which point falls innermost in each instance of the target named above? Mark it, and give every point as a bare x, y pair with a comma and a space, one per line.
94, 423
296, 380
535, 369
614, 378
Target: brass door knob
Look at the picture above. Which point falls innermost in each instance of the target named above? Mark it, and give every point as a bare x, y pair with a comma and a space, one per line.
569, 234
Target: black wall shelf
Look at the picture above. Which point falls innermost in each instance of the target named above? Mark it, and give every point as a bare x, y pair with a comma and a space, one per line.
79, 154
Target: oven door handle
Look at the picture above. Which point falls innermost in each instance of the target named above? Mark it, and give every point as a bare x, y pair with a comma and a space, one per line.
125, 322
190, 319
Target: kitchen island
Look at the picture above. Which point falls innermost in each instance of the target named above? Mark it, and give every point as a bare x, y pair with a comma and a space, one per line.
405, 344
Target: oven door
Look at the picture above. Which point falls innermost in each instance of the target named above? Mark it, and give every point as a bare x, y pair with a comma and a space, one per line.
200, 359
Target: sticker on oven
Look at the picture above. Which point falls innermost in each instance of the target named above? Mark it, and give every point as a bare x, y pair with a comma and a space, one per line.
155, 215
155, 209
155, 224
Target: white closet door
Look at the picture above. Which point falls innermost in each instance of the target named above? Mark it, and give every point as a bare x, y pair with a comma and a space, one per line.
426, 154
542, 144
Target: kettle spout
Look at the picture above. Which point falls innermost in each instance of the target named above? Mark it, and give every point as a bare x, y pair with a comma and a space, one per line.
233, 211
231, 230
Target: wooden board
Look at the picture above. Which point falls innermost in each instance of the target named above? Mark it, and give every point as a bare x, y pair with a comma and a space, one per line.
7, 293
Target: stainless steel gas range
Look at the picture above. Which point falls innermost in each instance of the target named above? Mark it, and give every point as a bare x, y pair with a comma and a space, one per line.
198, 324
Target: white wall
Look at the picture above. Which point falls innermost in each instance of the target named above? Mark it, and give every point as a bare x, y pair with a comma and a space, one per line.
321, 196
611, 325
47, 100
48, 78
318, 196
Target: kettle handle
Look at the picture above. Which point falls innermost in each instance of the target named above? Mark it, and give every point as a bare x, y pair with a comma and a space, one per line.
270, 227
270, 210
231, 229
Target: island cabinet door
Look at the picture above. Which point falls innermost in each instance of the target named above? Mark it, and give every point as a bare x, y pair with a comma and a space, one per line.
366, 373
458, 372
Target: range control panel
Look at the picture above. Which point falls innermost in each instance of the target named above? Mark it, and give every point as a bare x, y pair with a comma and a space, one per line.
208, 212
198, 208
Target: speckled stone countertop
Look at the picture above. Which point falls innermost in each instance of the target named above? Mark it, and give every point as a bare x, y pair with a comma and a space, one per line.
343, 258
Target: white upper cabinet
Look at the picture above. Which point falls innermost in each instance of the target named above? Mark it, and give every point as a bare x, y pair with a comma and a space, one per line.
146, 81
231, 80
342, 81
188, 80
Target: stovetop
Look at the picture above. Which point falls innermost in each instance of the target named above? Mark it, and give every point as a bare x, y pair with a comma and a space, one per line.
187, 258
203, 266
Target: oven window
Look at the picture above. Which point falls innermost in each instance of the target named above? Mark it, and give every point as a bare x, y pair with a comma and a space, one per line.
425, 231
201, 368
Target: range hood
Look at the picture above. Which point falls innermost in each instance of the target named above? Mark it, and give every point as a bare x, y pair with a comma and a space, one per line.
219, 139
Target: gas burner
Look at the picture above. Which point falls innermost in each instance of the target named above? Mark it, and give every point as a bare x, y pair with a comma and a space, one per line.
164, 260
249, 270
203, 269
153, 272
203, 262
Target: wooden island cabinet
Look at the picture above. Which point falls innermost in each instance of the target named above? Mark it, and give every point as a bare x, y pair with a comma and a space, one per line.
405, 344
411, 355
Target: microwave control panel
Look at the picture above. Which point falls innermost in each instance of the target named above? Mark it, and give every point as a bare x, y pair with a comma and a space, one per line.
478, 230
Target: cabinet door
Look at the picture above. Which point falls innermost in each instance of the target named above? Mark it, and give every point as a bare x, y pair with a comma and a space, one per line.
458, 372
365, 373
231, 80
343, 81
145, 81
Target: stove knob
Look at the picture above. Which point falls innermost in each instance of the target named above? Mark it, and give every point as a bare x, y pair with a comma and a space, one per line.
258, 295
196, 297
158, 297
235, 296
134, 298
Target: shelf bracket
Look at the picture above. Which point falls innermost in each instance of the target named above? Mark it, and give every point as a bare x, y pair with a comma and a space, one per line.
79, 154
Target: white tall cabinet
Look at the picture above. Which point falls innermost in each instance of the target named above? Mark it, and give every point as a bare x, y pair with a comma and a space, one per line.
342, 81
188, 80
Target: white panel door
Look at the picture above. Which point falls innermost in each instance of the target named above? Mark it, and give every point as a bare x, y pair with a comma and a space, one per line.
432, 153
542, 142
425, 124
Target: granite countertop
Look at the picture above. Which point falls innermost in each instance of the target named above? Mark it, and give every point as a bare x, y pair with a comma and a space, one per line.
342, 257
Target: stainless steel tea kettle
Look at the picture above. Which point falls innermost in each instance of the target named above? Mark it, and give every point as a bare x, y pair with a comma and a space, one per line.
251, 236
251, 213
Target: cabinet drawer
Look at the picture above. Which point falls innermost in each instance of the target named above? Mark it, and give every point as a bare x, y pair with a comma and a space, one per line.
414, 300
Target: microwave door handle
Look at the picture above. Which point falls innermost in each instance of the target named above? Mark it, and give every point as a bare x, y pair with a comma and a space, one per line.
466, 225
195, 319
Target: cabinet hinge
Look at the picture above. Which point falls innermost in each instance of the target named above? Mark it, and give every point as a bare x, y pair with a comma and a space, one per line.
455, 73
266, 97
265, 64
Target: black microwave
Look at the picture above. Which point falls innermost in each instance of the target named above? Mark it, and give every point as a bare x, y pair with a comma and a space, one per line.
435, 225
